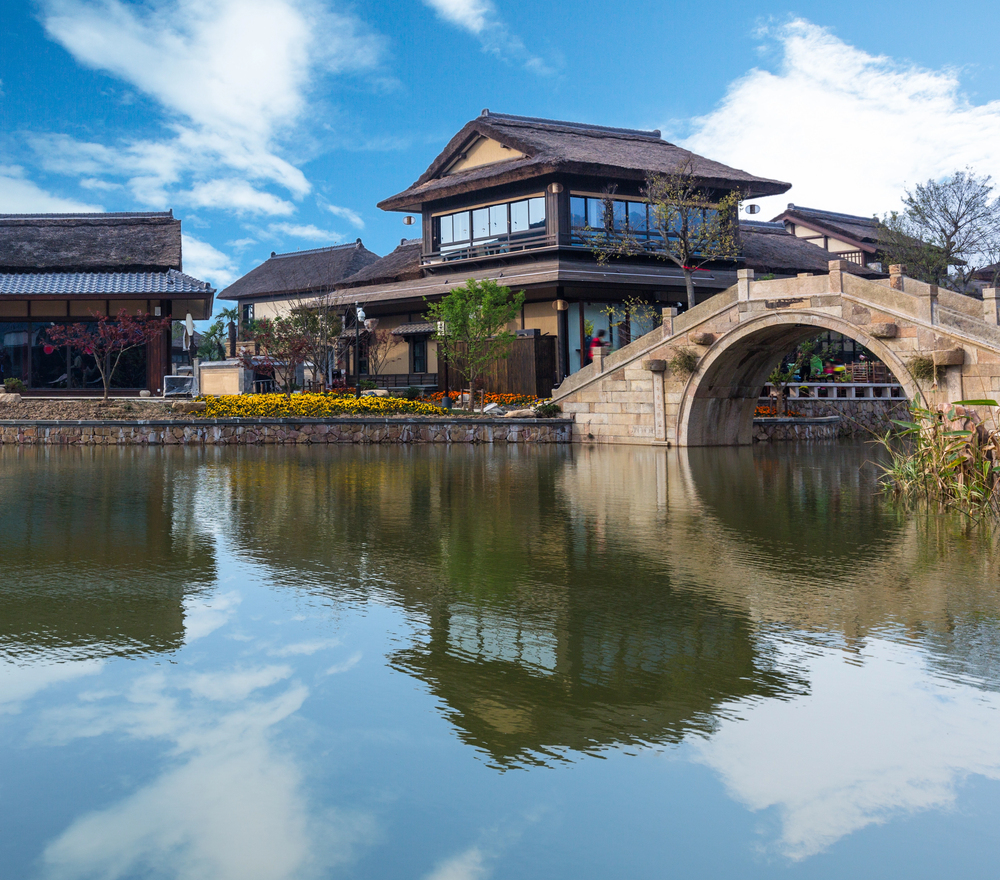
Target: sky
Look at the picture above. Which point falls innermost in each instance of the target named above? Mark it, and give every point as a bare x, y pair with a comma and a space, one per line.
277, 125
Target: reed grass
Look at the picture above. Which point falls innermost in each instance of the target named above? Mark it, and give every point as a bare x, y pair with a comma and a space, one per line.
947, 456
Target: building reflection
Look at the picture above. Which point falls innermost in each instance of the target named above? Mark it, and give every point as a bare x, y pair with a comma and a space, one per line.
574, 599
101, 548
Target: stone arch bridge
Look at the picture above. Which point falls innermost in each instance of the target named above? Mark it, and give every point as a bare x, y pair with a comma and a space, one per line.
741, 334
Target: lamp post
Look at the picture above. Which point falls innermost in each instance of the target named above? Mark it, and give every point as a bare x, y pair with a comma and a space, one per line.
359, 316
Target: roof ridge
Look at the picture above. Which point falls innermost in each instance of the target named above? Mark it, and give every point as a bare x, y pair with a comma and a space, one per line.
332, 247
653, 134
793, 207
87, 215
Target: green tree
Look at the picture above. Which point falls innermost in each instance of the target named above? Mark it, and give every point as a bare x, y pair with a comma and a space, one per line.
215, 339
948, 230
689, 225
281, 347
472, 327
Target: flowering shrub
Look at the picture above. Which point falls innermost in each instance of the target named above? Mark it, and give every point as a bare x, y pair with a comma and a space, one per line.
766, 411
501, 399
316, 406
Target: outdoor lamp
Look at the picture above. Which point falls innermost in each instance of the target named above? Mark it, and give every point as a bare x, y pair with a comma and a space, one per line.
359, 316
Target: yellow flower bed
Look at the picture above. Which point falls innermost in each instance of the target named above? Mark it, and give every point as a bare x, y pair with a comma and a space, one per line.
313, 406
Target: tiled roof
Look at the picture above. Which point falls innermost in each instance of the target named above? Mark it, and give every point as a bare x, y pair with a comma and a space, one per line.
769, 247
401, 265
853, 226
100, 283
416, 328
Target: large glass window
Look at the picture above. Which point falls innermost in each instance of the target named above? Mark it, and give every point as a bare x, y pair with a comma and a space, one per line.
589, 214
495, 226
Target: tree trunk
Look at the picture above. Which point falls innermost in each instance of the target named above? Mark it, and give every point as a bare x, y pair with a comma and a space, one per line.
689, 285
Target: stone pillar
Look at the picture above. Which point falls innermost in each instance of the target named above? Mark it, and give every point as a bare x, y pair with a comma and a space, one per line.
599, 360
837, 270
896, 276
990, 314
657, 368
926, 296
743, 279
668, 321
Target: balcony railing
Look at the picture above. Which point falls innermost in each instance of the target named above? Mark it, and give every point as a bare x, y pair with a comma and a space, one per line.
502, 244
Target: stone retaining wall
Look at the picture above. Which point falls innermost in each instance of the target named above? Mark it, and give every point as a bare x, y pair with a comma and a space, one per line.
769, 429
227, 432
859, 417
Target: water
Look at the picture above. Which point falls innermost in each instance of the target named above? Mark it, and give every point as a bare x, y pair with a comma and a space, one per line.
467, 663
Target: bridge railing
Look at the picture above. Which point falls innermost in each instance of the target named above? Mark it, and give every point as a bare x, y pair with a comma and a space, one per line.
841, 390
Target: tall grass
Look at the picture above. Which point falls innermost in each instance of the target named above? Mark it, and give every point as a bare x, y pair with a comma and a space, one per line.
946, 456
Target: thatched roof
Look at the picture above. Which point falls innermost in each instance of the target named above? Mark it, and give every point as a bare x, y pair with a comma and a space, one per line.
403, 264
769, 247
540, 147
302, 272
861, 231
148, 242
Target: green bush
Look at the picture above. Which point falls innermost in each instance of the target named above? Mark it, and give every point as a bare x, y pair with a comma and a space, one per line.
13, 386
368, 385
922, 367
547, 410
412, 393
685, 360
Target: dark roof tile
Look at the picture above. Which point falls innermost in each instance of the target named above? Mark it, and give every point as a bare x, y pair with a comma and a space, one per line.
15, 284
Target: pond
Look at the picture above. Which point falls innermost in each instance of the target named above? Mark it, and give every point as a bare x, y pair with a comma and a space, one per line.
467, 662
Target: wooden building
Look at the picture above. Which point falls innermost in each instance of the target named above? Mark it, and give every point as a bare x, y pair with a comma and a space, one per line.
849, 236
278, 284
516, 199
67, 268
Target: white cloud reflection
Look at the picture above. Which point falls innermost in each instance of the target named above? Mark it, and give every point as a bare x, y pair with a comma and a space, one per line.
863, 746
228, 805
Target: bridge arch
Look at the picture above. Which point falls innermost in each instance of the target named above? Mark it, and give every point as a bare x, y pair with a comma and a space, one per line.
717, 407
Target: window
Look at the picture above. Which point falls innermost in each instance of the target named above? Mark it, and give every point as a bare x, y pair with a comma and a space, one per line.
418, 350
247, 312
589, 214
494, 225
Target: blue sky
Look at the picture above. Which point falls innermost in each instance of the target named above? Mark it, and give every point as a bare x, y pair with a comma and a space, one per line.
276, 125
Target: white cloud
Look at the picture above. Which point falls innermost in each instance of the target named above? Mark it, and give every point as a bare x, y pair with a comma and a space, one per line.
469, 864
207, 264
471, 15
18, 195
347, 214
234, 78
479, 18
304, 648
846, 128
236, 685
305, 231
871, 740
346, 666
20, 683
241, 243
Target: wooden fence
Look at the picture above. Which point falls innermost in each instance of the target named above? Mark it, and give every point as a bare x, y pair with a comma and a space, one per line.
530, 368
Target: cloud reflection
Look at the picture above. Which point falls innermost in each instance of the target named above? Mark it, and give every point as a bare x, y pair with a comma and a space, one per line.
230, 805
859, 749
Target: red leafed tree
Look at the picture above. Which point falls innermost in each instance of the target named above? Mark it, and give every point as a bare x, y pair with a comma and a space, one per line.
282, 345
107, 339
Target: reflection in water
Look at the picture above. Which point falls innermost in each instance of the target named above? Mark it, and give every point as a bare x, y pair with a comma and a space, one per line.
100, 549
830, 658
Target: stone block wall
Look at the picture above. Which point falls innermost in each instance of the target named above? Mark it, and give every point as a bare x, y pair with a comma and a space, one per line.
235, 432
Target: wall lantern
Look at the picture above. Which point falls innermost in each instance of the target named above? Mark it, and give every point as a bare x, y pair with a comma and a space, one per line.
560, 305
408, 220
555, 188
752, 209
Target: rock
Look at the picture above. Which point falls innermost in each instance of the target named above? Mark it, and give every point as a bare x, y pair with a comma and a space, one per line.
655, 365
145, 393
949, 357
375, 392
699, 337
189, 406
882, 330
492, 409
10, 398
520, 414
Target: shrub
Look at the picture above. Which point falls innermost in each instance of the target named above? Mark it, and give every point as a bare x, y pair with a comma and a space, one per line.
547, 410
368, 385
922, 367
13, 386
685, 360
412, 393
